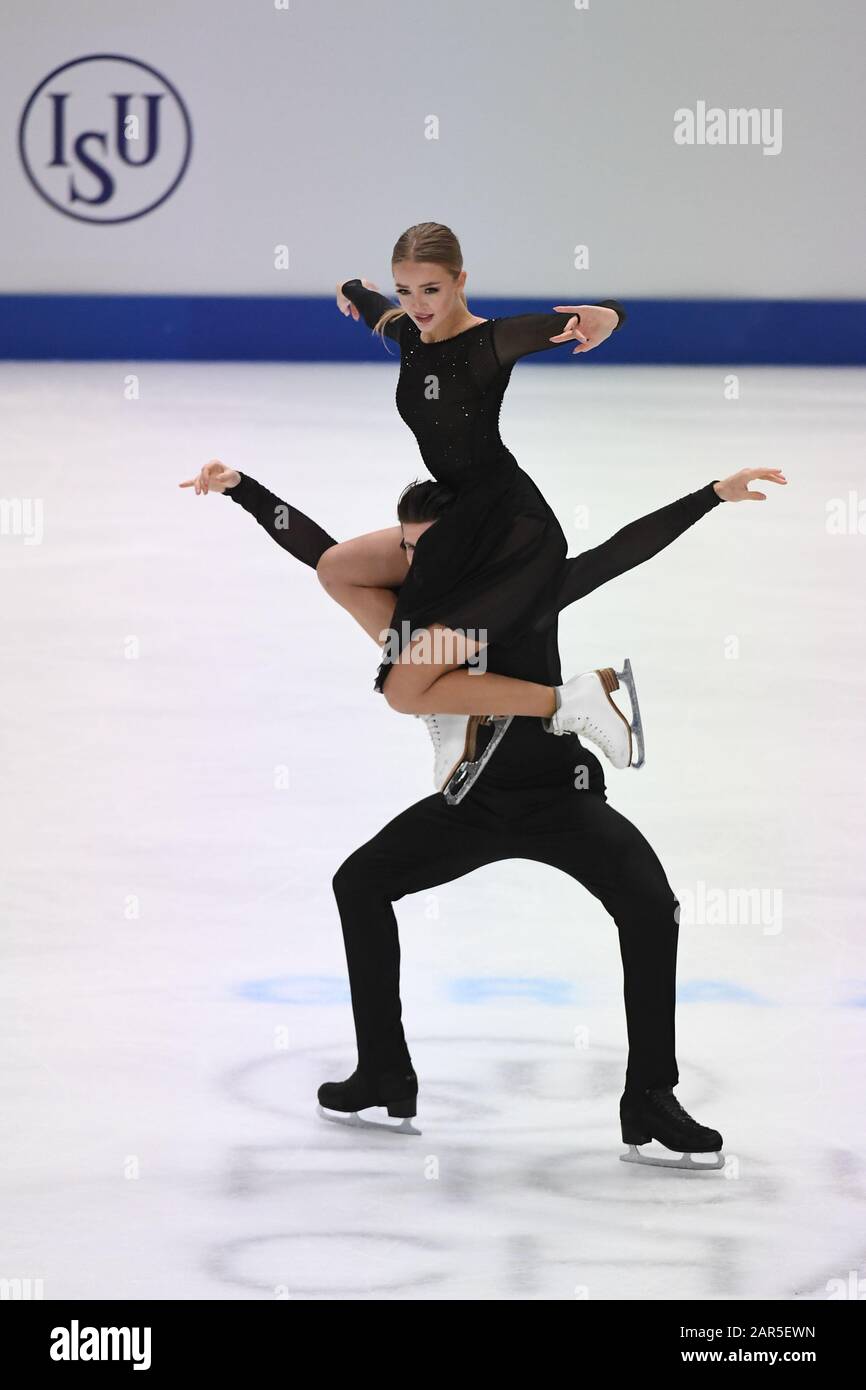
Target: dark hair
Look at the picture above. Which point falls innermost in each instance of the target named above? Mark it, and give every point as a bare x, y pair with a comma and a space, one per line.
423, 501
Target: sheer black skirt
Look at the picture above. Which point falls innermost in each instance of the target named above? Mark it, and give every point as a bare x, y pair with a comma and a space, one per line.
490, 567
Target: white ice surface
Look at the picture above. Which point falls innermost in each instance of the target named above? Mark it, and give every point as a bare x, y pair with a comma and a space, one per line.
173, 982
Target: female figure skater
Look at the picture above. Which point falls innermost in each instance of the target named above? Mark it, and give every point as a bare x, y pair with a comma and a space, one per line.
542, 799
495, 564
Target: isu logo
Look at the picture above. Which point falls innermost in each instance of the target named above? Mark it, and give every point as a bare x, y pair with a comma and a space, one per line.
105, 138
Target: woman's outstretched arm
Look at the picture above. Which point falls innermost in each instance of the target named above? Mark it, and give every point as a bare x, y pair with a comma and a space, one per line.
585, 324
360, 297
644, 538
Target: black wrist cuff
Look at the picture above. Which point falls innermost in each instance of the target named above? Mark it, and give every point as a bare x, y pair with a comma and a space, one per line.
618, 310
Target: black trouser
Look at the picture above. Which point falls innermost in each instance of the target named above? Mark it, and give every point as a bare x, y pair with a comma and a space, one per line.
576, 831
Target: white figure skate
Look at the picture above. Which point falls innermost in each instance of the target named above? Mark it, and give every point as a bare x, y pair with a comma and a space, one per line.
463, 745
586, 709
448, 733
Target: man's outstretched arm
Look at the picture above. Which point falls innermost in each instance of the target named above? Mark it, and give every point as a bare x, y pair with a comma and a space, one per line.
644, 538
304, 538
288, 526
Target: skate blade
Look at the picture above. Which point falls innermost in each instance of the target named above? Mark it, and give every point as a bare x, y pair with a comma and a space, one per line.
466, 774
626, 678
353, 1120
687, 1161
468, 752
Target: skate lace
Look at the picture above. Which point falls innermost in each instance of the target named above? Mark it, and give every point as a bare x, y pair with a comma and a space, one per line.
668, 1101
432, 728
598, 735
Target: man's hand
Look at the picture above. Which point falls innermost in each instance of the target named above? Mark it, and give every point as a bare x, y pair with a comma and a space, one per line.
214, 477
595, 325
736, 488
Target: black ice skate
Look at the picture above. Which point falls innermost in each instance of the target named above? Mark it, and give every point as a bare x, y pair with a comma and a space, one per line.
657, 1114
396, 1090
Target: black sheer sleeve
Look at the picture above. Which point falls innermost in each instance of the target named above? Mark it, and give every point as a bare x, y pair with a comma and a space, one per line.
633, 545
290, 528
523, 334
372, 305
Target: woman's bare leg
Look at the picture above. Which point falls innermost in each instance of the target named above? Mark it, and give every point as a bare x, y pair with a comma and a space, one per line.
363, 574
427, 679
374, 560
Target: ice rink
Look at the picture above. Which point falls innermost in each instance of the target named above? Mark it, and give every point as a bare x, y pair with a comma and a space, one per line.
192, 745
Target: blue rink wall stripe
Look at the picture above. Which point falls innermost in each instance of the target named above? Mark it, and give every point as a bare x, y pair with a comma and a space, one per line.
721, 332
317, 990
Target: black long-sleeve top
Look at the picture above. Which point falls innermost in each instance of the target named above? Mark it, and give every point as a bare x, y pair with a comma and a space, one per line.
449, 393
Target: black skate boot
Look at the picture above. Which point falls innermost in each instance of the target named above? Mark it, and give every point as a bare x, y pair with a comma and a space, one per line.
396, 1090
657, 1114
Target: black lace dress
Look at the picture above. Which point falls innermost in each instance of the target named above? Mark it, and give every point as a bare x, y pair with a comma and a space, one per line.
493, 563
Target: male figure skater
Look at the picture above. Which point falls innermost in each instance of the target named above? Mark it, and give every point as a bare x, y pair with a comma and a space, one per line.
540, 797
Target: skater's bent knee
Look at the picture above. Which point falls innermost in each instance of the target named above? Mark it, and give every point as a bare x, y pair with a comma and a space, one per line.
643, 893
400, 693
356, 876
402, 702
330, 566
345, 887
662, 905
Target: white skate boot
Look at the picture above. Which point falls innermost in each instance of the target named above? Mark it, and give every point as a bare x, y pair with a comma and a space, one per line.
463, 744
586, 709
449, 733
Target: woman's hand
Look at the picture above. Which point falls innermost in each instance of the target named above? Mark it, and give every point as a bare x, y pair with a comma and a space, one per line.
214, 477
736, 488
345, 305
595, 324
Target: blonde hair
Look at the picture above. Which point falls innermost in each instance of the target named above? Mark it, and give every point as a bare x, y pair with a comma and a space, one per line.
428, 242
